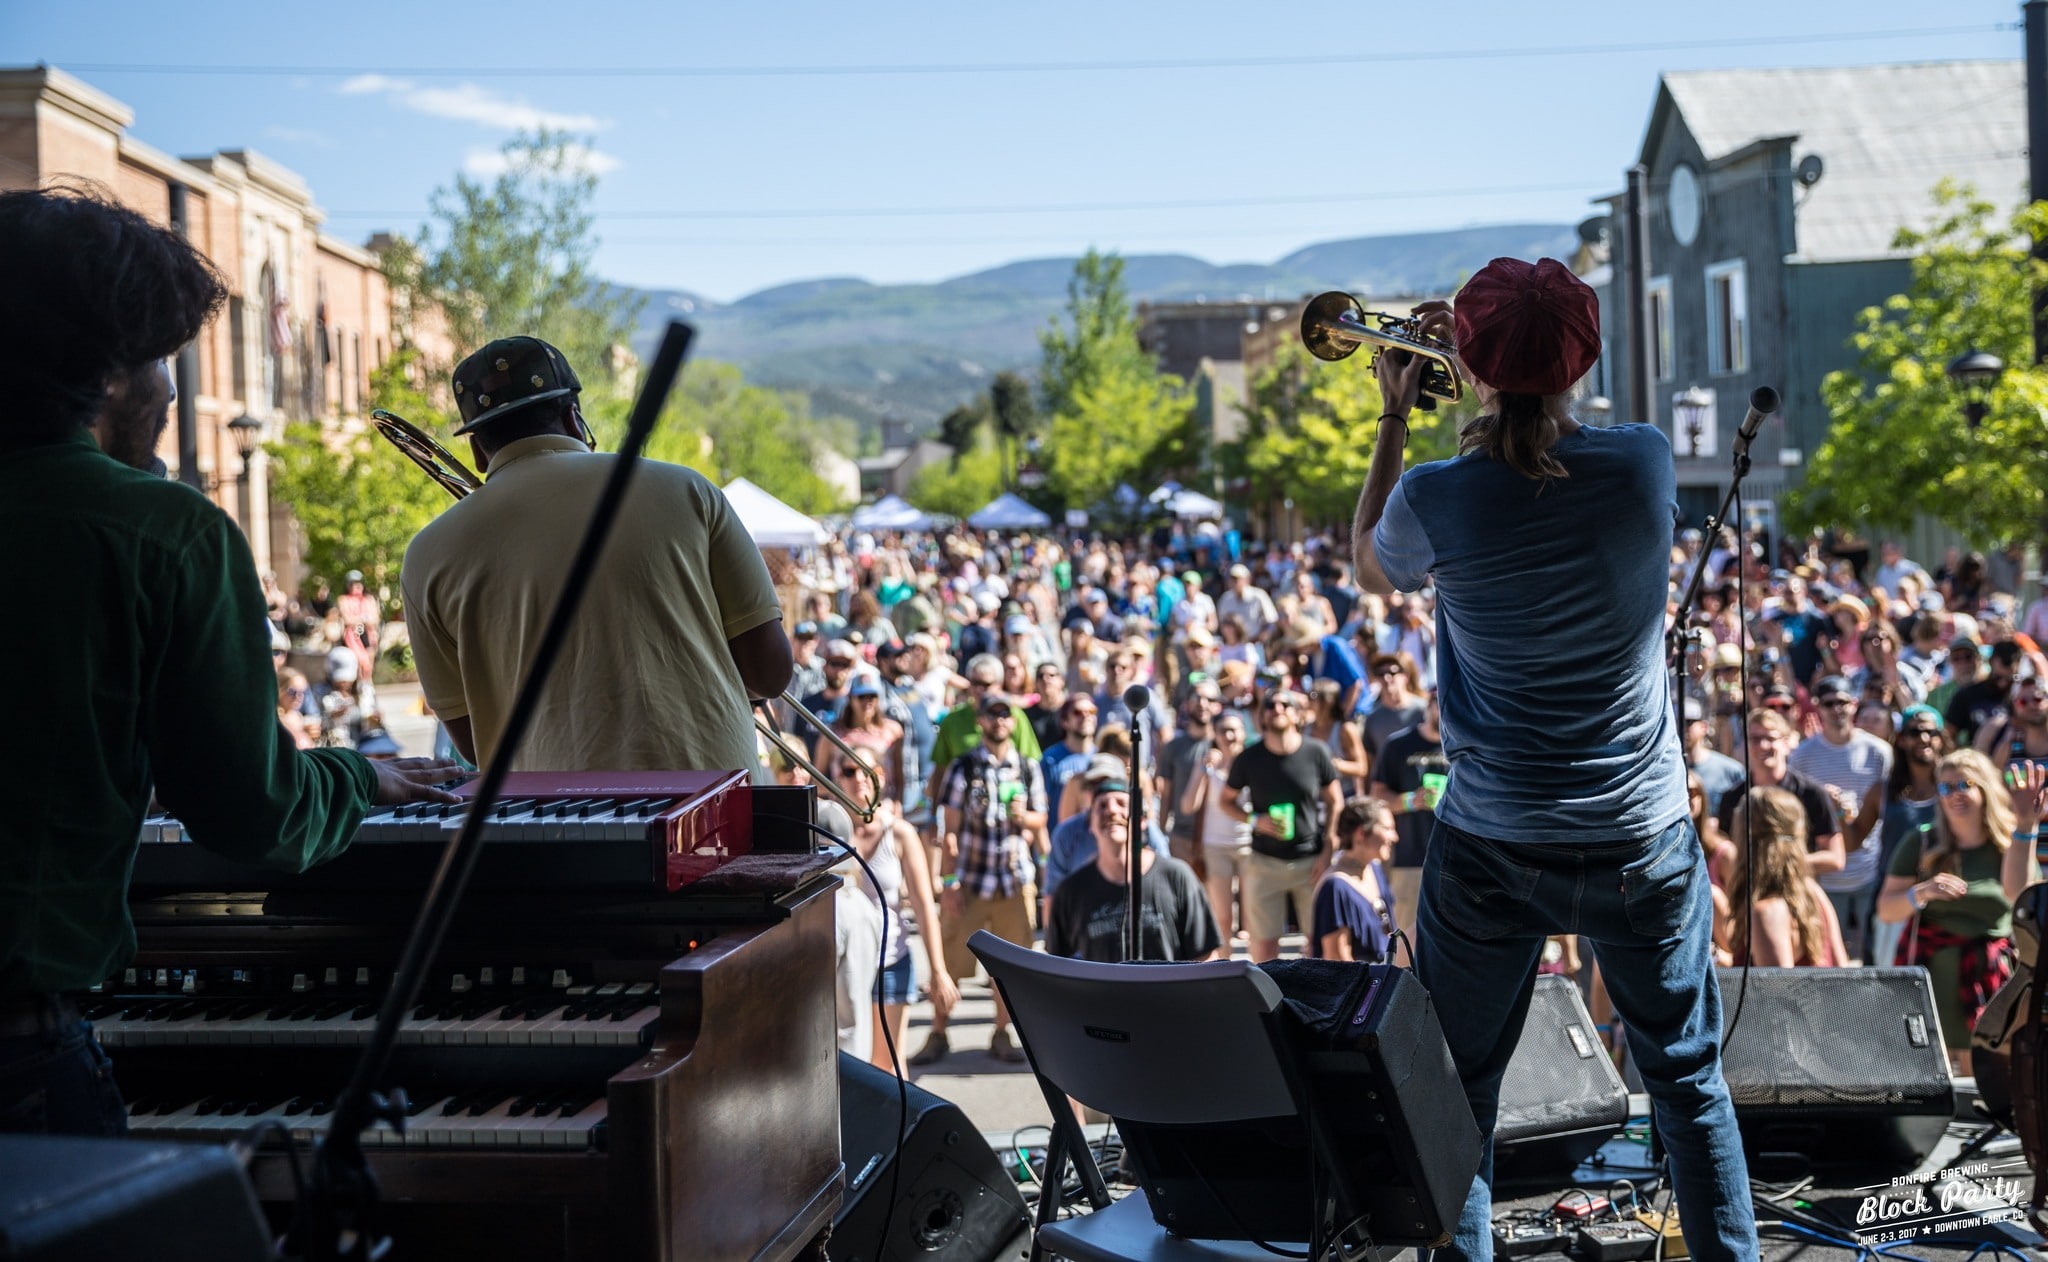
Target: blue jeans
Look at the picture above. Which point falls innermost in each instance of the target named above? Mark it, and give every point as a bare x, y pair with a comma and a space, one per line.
59, 1082
1646, 906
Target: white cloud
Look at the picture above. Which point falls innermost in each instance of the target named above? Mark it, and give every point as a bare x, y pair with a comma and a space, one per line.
469, 103
486, 164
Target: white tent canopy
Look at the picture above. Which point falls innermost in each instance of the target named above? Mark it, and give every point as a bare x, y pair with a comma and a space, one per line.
1007, 512
1191, 503
892, 512
772, 523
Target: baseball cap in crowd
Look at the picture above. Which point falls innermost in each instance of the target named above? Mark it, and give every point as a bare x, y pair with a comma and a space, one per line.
1104, 769
1832, 686
806, 630
1096, 596
342, 666
1199, 634
1240, 570
1965, 644
1193, 578
995, 703
1780, 696
1017, 624
1693, 711
865, 685
279, 641
988, 602
841, 650
1529, 328
923, 640
891, 648
1727, 656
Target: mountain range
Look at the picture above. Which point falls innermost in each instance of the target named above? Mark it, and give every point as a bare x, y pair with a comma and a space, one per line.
914, 352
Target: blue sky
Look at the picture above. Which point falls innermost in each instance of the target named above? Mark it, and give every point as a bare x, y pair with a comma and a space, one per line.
727, 183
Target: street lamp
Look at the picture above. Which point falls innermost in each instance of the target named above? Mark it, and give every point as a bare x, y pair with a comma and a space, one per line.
247, 432
1690, 411
1974, 372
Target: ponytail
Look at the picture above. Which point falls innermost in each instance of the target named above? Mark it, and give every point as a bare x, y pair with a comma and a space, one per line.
1521, 432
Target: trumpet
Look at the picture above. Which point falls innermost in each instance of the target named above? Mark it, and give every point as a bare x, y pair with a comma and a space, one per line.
1333, 326
444, 467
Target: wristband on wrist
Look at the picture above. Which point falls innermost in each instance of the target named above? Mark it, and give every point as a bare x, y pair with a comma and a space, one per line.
1913, 897
949, 881
1394, 416
2025, 834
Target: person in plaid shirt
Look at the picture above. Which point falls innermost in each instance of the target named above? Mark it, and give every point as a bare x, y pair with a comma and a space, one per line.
994, 821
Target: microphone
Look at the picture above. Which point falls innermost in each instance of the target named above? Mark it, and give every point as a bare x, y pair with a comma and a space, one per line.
1138, 700
1762, 402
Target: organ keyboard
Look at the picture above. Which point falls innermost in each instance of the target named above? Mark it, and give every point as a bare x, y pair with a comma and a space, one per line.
603, 1064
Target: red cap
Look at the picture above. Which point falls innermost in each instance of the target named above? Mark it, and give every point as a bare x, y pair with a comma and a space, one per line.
1528, 328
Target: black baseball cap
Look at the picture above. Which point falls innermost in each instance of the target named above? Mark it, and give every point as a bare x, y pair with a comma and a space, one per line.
507, 375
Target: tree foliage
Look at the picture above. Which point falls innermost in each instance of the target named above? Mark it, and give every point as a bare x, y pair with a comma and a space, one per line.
1115, 417
962, 485
1309, 431
513, 256
359, 500
725, 428
1898, 444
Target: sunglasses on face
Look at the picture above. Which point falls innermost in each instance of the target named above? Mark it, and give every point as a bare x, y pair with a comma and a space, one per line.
1782, 706
1950, 788
1837, 703
1387, 670
1921, 733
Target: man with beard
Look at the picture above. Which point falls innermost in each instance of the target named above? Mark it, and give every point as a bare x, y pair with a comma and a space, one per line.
1848, 762
132, 420
151, 670
1975, 705
2023, 737
1086, 918
1900, 808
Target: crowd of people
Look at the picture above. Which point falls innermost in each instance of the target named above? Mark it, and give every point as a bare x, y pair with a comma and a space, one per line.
1859, 735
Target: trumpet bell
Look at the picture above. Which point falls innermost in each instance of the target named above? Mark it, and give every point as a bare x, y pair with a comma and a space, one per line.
1327, 319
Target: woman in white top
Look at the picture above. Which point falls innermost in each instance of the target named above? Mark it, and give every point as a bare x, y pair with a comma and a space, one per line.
1226, 842
894, 854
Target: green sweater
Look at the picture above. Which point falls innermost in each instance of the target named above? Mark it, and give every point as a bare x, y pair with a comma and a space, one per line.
140, 656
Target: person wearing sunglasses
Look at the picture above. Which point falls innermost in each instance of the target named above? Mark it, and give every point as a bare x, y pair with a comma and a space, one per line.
2022, 736
1954, 891
1286, 786
1848, 763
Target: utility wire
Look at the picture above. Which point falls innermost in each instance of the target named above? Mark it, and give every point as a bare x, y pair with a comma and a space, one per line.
1517, 53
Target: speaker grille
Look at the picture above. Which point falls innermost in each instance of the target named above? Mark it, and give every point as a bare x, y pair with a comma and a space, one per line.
1559, 1078
1829, 1041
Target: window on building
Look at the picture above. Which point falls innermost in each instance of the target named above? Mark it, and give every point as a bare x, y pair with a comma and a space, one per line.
341, 381
238, 351
355, 341
1661, 366
1727, 318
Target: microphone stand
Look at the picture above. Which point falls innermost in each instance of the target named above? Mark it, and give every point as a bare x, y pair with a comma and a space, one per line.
1762, 402
1138, 700
339, 1219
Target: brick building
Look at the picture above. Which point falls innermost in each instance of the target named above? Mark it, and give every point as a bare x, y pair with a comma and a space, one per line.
308, 315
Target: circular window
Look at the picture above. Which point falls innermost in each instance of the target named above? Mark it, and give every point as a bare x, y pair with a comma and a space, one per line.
1682, 203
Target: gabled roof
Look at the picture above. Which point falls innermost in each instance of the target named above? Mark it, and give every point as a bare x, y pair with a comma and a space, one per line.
1884, 135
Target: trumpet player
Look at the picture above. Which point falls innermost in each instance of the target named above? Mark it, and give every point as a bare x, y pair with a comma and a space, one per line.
1566, 811
683, 625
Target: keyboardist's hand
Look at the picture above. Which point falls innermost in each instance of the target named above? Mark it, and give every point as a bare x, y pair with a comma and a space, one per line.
413, 779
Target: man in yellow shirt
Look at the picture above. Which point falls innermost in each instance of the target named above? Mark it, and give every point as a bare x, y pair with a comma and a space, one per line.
681, 626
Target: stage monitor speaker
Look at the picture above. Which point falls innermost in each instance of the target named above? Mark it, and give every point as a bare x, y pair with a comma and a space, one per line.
1561, 1097
66, 1199
1374, 1068
954, 1200
1844, 1066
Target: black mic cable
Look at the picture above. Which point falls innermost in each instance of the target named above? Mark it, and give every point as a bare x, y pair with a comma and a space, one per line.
1138, 700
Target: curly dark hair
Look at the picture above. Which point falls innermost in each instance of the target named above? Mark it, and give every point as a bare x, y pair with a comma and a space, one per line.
94, 290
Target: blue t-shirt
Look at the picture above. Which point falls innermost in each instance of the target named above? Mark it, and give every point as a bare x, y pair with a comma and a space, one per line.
1556, 710
1339, 905
1341, 664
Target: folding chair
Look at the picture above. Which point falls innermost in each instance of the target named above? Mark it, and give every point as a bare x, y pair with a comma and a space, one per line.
1241, 1138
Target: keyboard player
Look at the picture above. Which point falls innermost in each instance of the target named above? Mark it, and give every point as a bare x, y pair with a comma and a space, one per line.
142, 655
681, 627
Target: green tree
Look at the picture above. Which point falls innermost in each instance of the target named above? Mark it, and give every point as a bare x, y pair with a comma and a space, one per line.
1114, 416
962, 485
513, 256
718, 424
358, 498
1898, 445
1309, 429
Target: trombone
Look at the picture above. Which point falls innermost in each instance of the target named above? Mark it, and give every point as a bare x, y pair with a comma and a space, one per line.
446, 468
1333, 326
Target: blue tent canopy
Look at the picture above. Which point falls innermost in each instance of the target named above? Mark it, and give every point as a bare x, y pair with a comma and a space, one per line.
1007, 512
